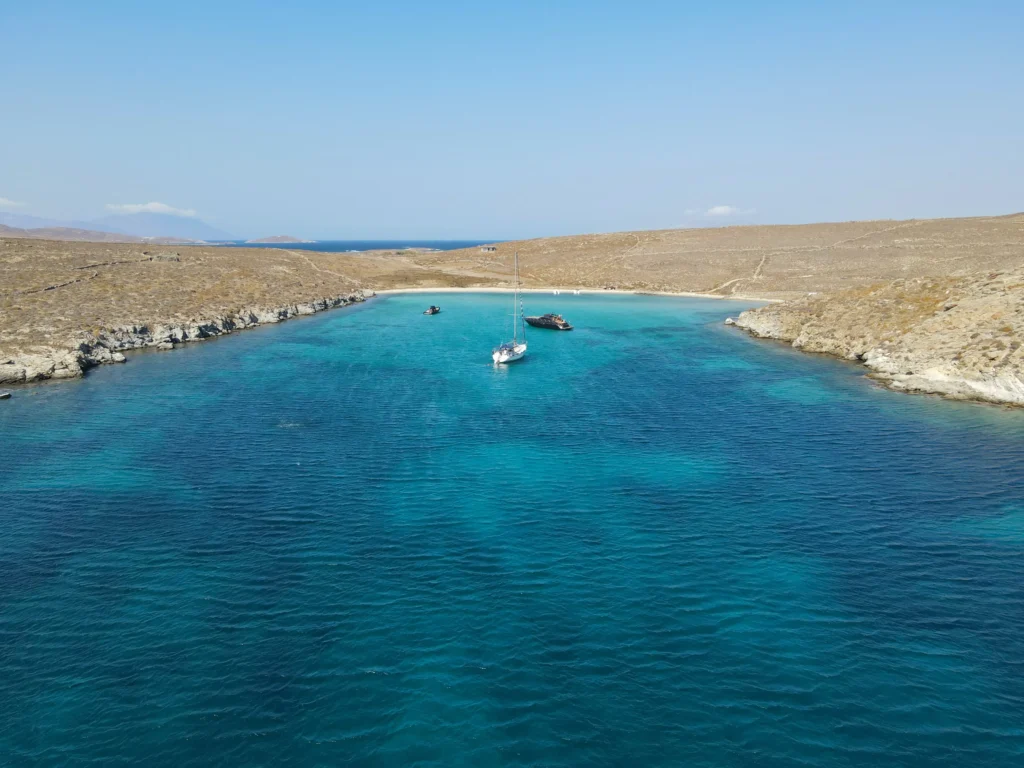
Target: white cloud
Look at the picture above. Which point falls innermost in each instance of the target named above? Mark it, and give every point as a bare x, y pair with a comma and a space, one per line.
718, 211
150, 208
722, 210
5, 203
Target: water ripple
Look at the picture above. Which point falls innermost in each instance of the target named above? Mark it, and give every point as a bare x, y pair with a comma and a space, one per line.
350, 540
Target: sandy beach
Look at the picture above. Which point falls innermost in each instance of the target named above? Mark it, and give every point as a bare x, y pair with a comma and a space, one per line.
584, 291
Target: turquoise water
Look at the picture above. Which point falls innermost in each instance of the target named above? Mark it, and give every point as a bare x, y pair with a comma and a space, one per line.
349, 540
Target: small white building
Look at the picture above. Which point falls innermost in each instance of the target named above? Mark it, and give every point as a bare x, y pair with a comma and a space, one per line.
488, 248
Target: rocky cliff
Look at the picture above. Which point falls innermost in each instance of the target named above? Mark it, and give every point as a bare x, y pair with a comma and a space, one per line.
959, 337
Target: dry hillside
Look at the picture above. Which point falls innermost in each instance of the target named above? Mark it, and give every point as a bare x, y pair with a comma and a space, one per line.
960, 337
65, 305
769, 261
50, 291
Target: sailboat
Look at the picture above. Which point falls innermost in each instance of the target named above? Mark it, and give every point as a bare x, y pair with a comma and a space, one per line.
510, 351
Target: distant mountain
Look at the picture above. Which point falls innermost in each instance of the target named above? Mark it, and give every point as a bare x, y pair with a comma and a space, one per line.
278, 239
159, 225
84, 235
136, 224
66, 233
24, 221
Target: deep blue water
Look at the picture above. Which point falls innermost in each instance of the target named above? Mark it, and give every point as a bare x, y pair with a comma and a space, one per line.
337, 246
350, 540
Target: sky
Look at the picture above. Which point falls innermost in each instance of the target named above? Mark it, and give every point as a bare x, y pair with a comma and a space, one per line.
510, 120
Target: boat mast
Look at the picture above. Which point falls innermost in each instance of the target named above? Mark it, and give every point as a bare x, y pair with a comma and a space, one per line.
515, 300
522, 321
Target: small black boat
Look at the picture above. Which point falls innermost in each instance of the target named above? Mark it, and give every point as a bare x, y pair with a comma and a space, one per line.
432, 310
554, 322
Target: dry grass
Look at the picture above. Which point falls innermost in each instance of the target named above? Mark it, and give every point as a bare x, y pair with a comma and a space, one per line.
894, 308
51, 290
773, 262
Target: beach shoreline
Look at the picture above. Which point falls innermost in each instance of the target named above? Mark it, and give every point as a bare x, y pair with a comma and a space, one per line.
583, 291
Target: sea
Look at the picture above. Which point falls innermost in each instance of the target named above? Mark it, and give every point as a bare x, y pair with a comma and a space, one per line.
354, 246
350, 539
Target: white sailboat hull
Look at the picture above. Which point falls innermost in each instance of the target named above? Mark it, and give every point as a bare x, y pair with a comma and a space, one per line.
509, 353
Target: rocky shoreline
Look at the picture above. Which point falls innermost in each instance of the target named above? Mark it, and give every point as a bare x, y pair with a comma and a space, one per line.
108, 345
958, 337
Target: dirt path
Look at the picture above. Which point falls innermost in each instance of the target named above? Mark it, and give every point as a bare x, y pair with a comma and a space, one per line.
760, 267
317, 268
902, 225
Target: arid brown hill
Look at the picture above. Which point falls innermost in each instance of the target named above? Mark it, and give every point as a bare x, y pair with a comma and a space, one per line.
769, 261
60, 298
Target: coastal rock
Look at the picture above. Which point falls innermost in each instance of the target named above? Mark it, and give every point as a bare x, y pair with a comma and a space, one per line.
959, 337
264, 316
67, 366
771, 322
106, 346
38, 366
41, 364
11, 373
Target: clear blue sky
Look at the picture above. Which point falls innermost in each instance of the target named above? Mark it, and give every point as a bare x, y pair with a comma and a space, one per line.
476, 119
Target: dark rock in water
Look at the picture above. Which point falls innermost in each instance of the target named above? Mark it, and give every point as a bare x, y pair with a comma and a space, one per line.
5, 395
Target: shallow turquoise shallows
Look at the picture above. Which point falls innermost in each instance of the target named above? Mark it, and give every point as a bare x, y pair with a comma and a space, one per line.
350, 540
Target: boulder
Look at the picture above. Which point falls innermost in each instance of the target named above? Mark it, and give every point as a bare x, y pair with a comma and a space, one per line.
11, 373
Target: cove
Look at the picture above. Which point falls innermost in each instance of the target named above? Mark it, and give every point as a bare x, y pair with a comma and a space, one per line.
349, 539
